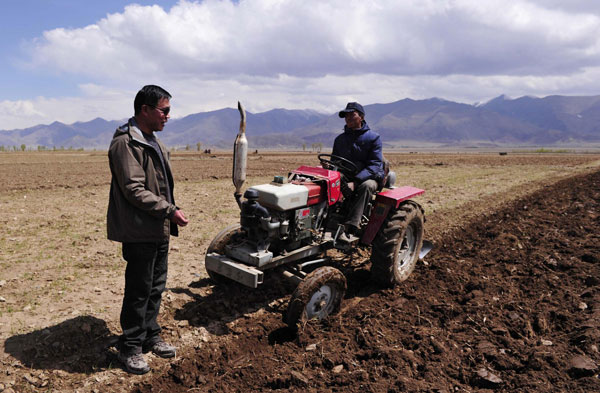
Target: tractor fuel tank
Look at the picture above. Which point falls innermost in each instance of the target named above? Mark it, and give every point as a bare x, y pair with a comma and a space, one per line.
282, 197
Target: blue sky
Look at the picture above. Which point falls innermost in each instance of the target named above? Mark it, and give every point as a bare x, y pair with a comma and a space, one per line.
74, 60
25, 20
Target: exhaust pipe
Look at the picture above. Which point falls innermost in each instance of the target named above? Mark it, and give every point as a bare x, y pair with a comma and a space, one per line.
240, 156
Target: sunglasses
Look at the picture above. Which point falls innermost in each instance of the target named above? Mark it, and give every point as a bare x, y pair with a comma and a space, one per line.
165, 111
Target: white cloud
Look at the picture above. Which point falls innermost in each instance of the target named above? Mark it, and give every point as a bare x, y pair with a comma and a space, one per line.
15, 108
341, 37
94, 102
318, 55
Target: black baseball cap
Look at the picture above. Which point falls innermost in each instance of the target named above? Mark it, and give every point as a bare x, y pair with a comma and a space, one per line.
352, 107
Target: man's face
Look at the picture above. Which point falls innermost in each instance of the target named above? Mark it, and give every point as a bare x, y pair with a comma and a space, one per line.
155, 115
353, 120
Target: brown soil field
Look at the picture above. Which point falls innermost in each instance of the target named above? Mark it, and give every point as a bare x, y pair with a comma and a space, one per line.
507, 301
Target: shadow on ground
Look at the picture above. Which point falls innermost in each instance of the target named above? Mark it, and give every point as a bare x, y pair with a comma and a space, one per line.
227, 302
78, 345
230, 301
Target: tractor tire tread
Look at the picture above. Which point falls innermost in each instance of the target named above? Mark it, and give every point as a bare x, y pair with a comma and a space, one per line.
384, 250
218, 245
295, 312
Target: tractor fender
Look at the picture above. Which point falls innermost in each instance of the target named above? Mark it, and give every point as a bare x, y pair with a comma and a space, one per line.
384, 202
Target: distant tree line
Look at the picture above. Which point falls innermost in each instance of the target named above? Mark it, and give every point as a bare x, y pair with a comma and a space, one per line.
24, 147
315, 147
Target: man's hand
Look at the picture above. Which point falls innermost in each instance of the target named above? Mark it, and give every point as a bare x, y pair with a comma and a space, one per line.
179, 218
351, 186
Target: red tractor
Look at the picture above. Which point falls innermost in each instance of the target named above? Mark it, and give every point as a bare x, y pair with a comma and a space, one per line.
291, 222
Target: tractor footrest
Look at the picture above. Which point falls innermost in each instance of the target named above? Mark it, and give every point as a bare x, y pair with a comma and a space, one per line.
226, 267
340, 245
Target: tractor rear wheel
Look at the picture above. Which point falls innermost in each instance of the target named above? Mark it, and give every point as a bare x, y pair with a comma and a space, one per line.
396, 247
319, 295
217, 245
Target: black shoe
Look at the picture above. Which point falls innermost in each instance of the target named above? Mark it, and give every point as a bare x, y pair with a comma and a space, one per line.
162, 349
134, 363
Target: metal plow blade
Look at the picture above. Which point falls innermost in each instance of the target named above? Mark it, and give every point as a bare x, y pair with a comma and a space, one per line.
427, 246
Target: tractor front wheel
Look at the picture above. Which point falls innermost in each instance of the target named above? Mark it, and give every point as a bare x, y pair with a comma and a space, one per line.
217, 245
396, 247
319, 295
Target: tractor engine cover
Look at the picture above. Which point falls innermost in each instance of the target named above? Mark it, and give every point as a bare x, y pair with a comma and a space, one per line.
282, 197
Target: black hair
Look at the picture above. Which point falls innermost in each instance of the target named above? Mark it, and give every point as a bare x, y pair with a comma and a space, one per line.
149, 95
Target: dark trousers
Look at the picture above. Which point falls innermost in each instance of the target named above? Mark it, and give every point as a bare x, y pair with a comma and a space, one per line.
145, 281
362, 194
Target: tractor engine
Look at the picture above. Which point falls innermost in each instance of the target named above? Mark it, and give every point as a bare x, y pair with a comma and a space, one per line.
279, 215
285, 214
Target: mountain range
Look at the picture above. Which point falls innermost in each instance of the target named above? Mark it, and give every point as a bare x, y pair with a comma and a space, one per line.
531, 121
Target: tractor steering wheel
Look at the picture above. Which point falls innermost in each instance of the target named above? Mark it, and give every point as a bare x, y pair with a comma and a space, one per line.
345, 166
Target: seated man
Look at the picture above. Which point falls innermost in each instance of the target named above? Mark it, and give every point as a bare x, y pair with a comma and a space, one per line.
362, 146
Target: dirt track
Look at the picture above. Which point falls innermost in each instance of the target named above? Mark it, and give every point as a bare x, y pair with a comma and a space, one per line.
511, 302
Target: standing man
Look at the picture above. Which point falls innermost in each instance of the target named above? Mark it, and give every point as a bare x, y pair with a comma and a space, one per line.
142, 215
362, 146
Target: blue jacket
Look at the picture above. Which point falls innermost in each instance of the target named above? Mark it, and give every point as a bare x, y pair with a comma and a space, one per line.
363, 148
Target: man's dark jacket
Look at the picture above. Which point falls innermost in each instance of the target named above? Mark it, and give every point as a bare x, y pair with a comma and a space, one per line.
138, 206
363, 148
